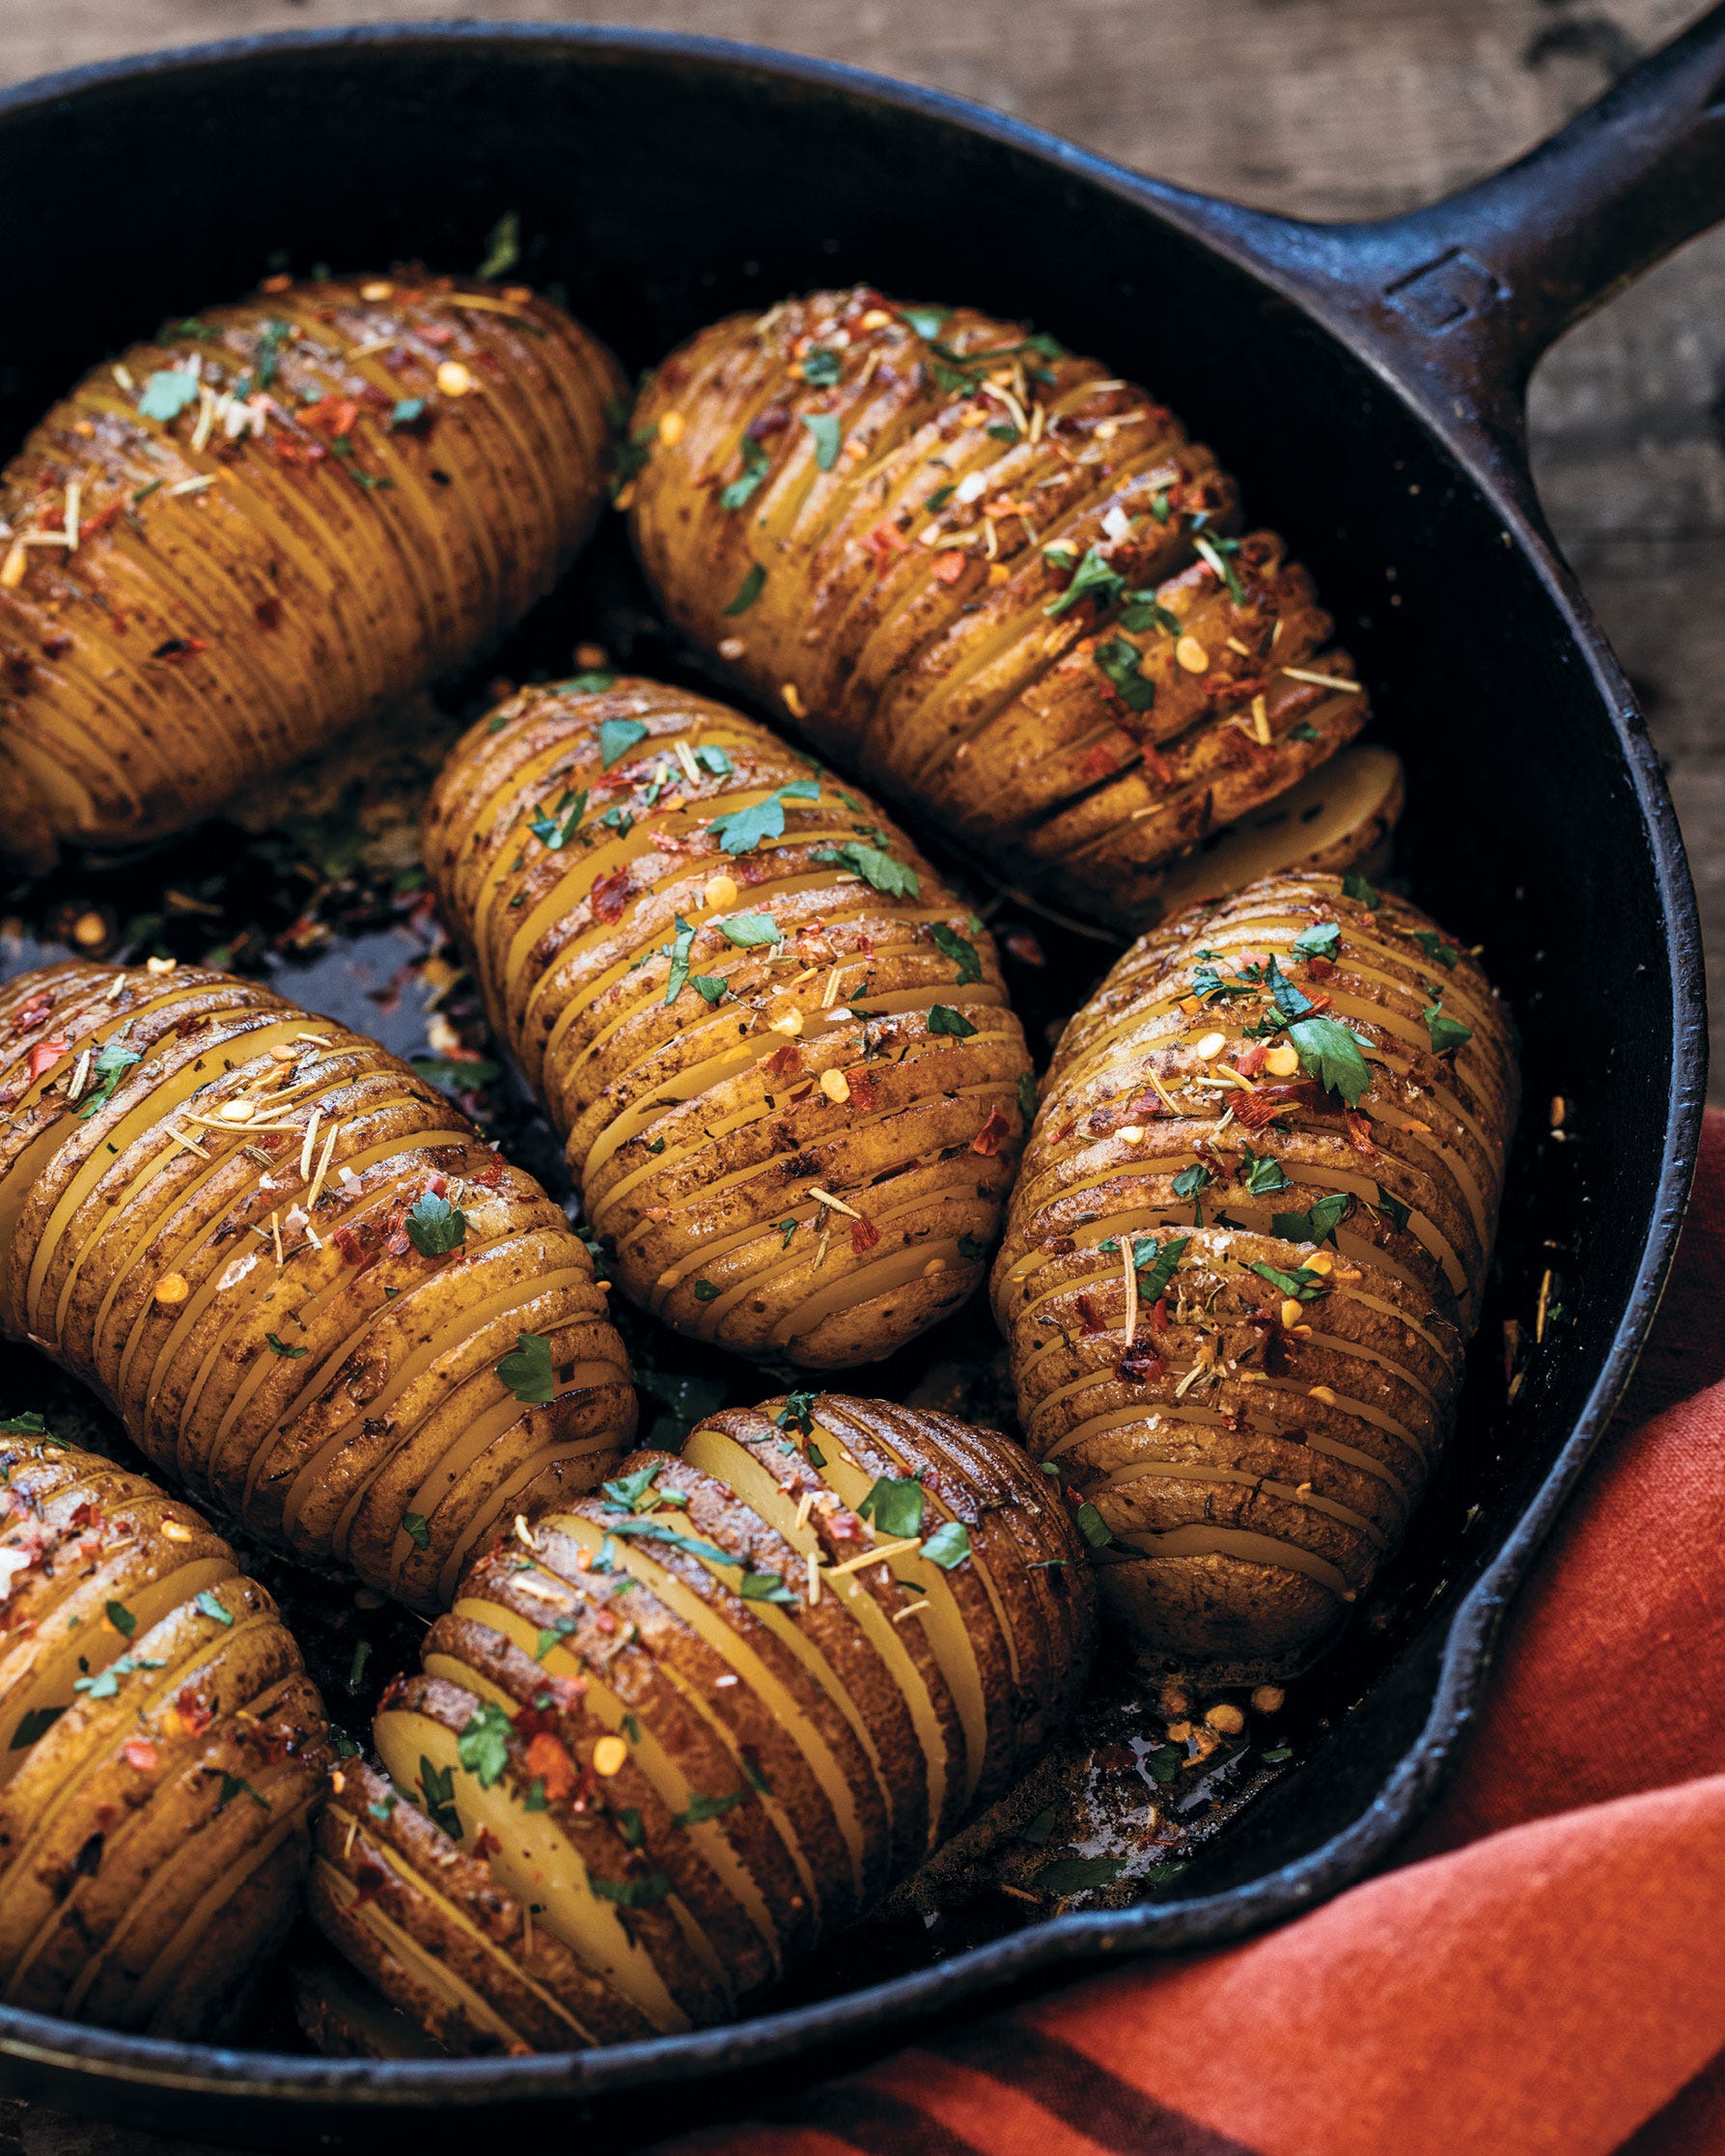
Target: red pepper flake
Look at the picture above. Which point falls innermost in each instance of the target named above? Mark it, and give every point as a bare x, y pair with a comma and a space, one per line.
267, 614
547, 1759
886, 540
947, 568
33, 1013
1321, 969
353, 1243
485, 1845
1158, 1314
840, 1533
1156, 765
490, 1176
773, 421
864, 1234
862, 1088
180, 648
194, 1716
1251, 1060
610, 895
288, 451
1140, 1364
1088, 1317
370, 1879
1099, 762
989, 1140
783, 1062
56, 646
1255, 1111
45, 1055
140, 1752
333, 416
1359, 1132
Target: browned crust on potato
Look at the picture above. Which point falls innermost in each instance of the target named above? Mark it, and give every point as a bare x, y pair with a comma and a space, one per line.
798, 1145
343, 1398
925, 500
164, 1752
716, 1697
1255, 1445
369, 481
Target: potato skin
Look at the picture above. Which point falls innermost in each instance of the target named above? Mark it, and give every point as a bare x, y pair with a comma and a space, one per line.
659, 1671
1256, 1446
370, 480
994, 580
577, 846
192, 1751
342, 1398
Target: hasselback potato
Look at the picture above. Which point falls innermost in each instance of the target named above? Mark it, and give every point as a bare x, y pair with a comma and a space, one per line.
687, 1724
292, 1267
1246, 1252
990, 578
160, 1752
778, 1049
228, 547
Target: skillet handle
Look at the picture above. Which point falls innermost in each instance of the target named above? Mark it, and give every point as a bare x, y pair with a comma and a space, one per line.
1461, 300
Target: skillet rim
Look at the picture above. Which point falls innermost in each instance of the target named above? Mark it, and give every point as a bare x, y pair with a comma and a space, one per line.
58, 2048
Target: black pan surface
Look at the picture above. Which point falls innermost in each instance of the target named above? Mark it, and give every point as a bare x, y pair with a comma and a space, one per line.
1365, 384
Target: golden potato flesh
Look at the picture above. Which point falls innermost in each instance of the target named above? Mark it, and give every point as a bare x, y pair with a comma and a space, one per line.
295, 1272
673, 1733
779, 1050
1246, 1252
993, 579
163, 1751
227, 547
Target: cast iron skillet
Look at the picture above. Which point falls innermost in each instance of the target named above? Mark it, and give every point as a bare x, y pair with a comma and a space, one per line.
1366, 383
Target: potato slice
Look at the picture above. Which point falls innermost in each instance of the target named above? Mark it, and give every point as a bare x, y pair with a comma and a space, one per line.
227, 548
992, 579
165, 1751
428, 1922
779, 1051
695, 1721
294, 1270
1246, 1252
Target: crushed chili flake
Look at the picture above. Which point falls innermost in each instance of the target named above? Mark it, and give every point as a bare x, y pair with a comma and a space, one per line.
140, 1752
989, 1140
194, 1716
1359, 1132
610, 894
45, 1055
864, 1234
547, 1759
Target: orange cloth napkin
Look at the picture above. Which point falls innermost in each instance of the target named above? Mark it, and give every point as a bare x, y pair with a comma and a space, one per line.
1545, 1969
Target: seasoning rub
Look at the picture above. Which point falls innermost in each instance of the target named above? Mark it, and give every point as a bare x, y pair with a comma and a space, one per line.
645, 1770
1246, 1252
779, 1172
370, 1356
996, 582
230, 549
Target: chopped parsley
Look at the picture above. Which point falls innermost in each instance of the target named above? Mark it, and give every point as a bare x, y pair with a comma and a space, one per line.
959, 950
1319, 1225
826, 434
743, 829
949, 1545
1330, 1053
943, 1018
748, 590
874, 866
1118, 659
755, 466
616, 738
435, 1227
895, 1506
484, 1743
526, 1370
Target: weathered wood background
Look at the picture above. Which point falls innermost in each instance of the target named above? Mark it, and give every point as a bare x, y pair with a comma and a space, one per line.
1327, 109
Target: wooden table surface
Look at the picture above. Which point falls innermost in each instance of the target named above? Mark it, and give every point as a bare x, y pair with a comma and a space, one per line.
1327, 109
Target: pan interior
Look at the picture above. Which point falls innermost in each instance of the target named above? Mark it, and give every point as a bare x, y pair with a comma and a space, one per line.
662, 188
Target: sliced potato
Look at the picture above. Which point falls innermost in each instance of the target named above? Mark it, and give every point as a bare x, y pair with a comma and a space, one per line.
1339, 818
780, 1051
993, 579
1246, 1252
685, 1728
225, 548
164, 1752
294, 1270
